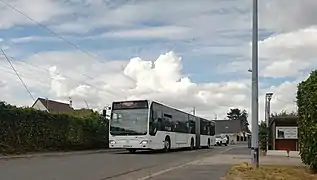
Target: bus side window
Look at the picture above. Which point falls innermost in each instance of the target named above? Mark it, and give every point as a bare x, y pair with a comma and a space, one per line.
159, 124
159, 120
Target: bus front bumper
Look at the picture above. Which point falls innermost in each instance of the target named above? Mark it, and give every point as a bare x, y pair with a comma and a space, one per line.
130, 144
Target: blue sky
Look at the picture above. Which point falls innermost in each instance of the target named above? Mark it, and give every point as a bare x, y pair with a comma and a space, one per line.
212, 37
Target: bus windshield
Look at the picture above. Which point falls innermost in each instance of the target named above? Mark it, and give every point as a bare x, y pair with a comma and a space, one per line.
129, 122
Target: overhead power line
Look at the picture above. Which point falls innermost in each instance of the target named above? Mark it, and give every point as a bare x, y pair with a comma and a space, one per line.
49, 30
48, 71
53, 33
26, 88
67, 77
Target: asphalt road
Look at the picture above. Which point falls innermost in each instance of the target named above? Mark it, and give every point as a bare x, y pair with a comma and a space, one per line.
99, 166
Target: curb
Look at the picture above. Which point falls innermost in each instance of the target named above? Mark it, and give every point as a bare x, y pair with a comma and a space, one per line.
56, 154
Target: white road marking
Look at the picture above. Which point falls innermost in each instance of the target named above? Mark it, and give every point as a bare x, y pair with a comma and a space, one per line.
177, 167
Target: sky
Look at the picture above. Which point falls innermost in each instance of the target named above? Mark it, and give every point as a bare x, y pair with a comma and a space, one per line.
182, 53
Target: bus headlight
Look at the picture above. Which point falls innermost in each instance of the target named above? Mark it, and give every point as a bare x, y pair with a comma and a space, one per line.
144, 142
112, 142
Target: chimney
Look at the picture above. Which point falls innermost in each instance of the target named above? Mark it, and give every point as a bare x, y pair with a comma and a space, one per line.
70, 102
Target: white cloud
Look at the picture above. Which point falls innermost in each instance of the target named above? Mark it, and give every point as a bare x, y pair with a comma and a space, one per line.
287, 15
160, 80
287, 55
58, 82
284, 97
137, 18
39, 10
34, 39
171, 32
3, 84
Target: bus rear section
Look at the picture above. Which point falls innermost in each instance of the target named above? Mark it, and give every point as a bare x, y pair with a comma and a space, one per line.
207, 133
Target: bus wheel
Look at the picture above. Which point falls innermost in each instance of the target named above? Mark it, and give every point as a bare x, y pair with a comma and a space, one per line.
192, 145
167, 144
131, 150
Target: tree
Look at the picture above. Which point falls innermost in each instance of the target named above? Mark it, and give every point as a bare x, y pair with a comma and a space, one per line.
307, 120
237, 114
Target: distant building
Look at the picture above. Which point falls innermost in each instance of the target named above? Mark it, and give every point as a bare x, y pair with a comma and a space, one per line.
52, 106
235, 129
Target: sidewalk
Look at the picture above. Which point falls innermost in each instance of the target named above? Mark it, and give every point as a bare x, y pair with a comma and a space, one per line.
216, 167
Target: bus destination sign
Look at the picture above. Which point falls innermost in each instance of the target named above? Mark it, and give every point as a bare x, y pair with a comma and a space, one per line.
130, 105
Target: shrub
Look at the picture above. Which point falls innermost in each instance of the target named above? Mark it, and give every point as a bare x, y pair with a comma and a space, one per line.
307, 120
27, 130
263, 132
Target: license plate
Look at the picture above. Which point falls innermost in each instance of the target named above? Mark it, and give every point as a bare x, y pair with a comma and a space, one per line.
127, 146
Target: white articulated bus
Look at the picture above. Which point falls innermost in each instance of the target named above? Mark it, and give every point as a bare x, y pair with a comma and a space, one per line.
145, 124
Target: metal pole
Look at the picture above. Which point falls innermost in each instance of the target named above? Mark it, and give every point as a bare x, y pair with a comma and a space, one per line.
268, 117
266, 121
254, 102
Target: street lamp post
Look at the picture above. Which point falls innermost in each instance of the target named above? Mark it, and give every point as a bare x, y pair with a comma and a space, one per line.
255, 91
268, 97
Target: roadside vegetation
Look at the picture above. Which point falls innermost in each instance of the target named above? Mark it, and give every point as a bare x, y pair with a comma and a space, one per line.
263, 135
307, 120
245, 171
25, 130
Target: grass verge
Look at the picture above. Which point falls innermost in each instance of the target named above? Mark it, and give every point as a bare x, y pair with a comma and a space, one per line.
245, 171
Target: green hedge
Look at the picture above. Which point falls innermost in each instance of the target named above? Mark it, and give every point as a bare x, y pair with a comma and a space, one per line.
307, 122
263, 136
25, 130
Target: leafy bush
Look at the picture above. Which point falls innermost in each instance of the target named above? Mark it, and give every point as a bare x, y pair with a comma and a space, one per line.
263, 135
307, 120
27, 130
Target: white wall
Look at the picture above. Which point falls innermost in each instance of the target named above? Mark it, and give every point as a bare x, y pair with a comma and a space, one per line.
39, 106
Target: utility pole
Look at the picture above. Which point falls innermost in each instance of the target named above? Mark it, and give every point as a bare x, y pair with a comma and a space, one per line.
255, 86
268, 97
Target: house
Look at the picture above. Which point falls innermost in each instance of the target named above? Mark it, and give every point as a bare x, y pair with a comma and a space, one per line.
52, 106
232, 128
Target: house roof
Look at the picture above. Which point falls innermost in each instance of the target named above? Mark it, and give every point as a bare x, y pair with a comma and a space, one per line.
284, 120
54, 106
228, 126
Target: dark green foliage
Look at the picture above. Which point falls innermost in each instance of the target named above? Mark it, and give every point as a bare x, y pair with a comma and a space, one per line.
307, 120
27, 130
263, 135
